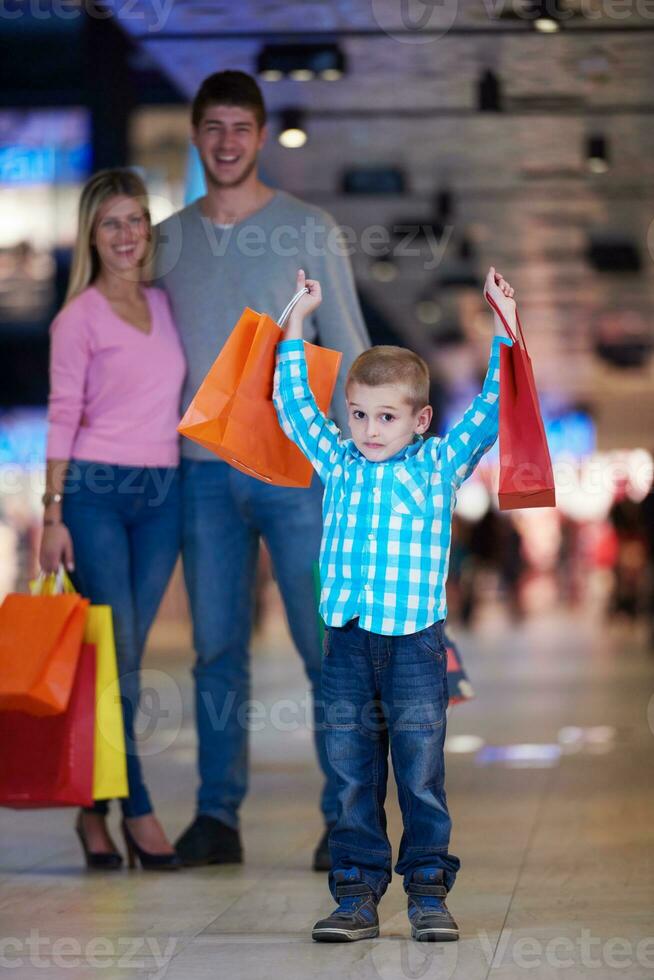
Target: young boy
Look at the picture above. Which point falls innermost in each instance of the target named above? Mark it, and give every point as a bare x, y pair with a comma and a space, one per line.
387, 506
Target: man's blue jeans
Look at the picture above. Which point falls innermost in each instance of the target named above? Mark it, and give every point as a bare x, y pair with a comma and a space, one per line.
380, 689
125, 523
225, 513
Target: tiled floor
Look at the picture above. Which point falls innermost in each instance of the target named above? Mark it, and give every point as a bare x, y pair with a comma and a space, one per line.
556, 836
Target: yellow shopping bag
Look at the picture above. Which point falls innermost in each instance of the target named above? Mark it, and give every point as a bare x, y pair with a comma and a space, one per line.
109, 763
109, 766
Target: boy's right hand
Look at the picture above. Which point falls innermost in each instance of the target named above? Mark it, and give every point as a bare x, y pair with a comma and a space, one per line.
311, 300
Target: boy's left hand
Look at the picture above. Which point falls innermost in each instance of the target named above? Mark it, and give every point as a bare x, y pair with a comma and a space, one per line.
501, 291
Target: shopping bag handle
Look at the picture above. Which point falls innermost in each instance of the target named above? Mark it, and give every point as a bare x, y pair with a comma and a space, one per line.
289, 306
508, 329
52, 583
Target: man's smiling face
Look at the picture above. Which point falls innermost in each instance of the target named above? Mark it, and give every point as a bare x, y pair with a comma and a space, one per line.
228, 139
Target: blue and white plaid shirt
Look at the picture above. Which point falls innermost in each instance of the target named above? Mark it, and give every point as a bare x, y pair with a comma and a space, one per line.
386, 526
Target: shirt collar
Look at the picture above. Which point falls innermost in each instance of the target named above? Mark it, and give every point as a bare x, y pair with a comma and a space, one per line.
410, 450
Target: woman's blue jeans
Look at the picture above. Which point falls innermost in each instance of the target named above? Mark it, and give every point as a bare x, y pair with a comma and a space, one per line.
125, 523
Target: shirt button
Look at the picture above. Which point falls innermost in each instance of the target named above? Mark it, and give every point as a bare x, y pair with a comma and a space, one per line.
367, 587
371, 537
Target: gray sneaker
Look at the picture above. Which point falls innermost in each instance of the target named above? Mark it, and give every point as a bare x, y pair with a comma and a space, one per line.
356, 915
428, 914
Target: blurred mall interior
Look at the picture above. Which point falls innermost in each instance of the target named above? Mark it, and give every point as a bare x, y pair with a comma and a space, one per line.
518, 135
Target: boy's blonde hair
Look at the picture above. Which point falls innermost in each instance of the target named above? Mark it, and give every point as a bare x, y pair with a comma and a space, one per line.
387, 365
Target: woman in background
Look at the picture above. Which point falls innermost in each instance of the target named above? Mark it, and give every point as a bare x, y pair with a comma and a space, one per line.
112, 509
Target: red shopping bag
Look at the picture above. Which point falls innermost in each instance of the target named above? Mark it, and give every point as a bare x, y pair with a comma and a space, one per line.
48, 761
232, 413
40, 642
526, 477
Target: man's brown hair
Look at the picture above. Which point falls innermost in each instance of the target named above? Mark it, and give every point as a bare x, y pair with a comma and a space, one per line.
387, 365
229, 88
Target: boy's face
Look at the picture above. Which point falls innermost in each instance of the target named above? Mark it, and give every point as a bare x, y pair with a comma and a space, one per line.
228, 140
381, 420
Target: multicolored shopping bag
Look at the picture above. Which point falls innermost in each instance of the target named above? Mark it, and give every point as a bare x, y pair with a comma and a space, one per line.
109, 762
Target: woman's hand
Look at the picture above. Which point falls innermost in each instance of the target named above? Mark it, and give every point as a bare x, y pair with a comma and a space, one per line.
56, 549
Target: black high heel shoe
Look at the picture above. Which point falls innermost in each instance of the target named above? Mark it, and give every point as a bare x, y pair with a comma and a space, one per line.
98, 860
149, 861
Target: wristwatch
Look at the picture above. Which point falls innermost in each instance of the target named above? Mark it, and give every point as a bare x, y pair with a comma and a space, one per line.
51, 498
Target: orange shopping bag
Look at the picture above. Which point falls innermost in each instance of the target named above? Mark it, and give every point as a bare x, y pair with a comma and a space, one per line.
40, 643
526, 477
232, 413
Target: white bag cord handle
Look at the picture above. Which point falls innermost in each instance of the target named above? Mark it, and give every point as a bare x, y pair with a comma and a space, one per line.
289, 308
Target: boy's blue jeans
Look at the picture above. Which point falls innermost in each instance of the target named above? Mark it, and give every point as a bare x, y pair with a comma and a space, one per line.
380, 689
125, 522
225, 514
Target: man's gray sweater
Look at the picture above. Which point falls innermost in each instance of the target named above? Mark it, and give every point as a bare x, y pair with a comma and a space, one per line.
211, 272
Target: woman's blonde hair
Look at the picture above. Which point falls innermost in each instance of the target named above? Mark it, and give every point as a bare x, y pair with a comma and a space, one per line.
96, 191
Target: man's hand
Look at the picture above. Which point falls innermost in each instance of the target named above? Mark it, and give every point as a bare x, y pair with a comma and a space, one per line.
502, 292
309, 302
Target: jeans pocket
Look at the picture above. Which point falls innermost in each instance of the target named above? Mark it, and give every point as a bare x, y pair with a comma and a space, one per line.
431, 641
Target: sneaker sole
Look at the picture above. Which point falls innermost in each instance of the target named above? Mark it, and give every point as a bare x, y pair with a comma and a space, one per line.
434, 935
344, 935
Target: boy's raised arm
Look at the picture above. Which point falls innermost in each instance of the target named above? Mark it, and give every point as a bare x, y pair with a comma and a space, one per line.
298, 414
460, 450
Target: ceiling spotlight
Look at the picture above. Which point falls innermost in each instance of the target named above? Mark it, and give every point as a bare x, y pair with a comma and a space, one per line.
383, 269
331, 74
301, 62
489, 92
271, 75
302, 74
292, 133
428, 311
443, 205
546, 25
546, 14
597, 154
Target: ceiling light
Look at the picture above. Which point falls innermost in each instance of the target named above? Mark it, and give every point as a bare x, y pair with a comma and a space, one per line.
292, 133
331, 74
597, 154
271, 75
546, 25
301, 62
384, 269
428, 311
489, 92
302, 74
